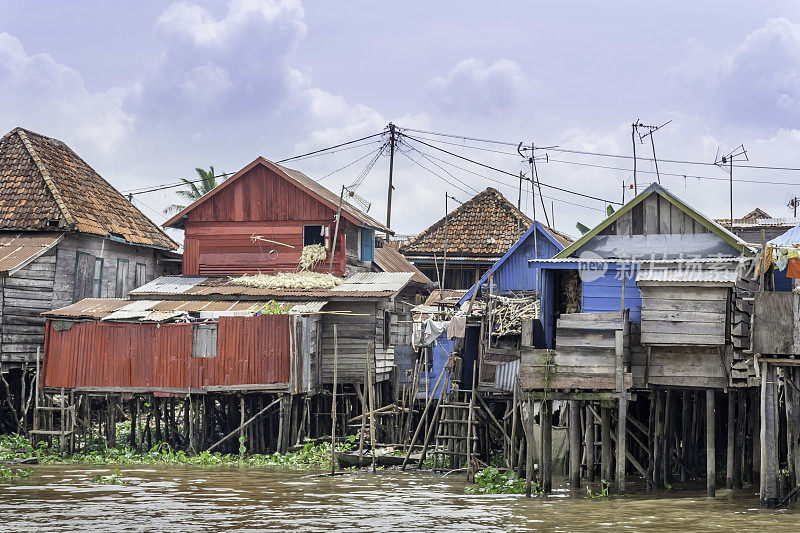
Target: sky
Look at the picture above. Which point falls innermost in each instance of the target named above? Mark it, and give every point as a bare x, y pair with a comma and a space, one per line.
146, 91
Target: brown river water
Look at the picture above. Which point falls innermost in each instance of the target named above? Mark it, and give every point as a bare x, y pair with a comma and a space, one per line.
173, 499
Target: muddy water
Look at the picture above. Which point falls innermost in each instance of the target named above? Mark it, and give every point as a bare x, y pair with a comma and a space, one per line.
63, 498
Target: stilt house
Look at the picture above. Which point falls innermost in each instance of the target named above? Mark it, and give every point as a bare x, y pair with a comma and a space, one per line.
212, 333
65, 234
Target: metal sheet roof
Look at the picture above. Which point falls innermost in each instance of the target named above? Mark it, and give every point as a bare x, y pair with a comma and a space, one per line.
375, 281
18, 249
389, 259
362, 285
687, 276
169, 285
307, 308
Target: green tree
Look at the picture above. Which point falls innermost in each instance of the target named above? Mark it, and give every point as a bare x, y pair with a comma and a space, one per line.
195, 188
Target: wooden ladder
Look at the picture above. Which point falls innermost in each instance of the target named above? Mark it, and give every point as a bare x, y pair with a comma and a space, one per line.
452, 440
67, 420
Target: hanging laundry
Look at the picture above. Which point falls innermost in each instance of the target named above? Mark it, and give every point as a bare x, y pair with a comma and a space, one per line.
457, 327
794, 268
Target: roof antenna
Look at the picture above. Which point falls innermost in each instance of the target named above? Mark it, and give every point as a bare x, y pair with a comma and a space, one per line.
652, 130
738, 152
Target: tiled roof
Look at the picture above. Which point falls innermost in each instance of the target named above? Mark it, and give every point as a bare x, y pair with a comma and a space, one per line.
45, 185
486, 225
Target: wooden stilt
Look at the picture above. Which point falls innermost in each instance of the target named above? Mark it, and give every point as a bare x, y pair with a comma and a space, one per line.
529, 450
731, 438
514, 412
658, 441
333, 404
769, 441
605, 443
371, 402
546, 466
666, 440
622, 449
588, 437
686, 410
755, 409
711, 471
739, 438
795, 453
574, 443
283, 423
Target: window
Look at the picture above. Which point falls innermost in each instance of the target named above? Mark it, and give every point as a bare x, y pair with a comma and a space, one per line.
367, 244
141, 270
88, 277
121, 288
204, 340
313, 234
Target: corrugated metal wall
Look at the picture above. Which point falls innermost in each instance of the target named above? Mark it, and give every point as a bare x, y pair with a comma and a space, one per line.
250, 351
605, 292
514, 274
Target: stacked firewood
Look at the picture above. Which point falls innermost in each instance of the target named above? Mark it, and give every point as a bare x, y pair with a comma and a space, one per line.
508, 312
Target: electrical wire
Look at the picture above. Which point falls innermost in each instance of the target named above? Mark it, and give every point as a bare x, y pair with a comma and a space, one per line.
510, 174
351, 163
434, 173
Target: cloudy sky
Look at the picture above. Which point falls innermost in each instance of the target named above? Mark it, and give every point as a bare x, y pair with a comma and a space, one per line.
145, 91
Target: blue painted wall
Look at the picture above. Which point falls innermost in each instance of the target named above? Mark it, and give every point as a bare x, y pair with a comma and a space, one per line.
605, 293
441, 352
512, 272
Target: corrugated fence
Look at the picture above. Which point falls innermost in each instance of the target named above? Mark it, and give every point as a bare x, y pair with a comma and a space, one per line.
250, 351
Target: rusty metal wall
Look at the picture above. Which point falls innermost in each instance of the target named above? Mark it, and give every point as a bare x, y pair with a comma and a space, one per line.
250, 351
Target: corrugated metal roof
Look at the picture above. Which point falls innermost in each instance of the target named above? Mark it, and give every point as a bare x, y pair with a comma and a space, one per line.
110, 309
306, 308
687, 275
169, 285
578, 260
375, 281
389, 259
362, 285
18, 249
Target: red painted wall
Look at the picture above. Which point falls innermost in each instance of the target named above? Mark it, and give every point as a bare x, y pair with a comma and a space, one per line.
250, 351
218, 233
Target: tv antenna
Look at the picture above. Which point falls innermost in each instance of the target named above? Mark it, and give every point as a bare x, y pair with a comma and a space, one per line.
737, 153
650, 131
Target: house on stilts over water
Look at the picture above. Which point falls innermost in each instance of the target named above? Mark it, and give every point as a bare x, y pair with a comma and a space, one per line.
65, 234
284, 292
646, 328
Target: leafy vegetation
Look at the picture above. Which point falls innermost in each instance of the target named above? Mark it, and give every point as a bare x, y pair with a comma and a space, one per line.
113, 479
492, 481
605, 490
9, 474
311, 455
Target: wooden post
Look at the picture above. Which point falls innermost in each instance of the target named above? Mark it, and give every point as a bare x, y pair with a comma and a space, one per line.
333, 404
711, 457
512, 449
546, 466
283, 423
685, 433
605, 443
622, 449
731, 438
428, 402
469, 450
574, 443
588, 437
756, 429
529, 450
658, 439
739, 440
241, 426
769, 452
371, 391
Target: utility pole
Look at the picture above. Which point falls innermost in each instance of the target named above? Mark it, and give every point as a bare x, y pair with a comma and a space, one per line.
391, 170
444, 262
738, 152
633, 142
793, 204
519, 203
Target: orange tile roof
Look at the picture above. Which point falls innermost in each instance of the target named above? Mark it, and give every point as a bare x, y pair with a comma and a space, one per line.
45, 185
484, 226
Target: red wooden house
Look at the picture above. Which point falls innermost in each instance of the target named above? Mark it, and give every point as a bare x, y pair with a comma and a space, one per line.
261, 217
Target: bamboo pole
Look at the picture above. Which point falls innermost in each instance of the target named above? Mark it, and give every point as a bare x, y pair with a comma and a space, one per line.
333, 403
424, 414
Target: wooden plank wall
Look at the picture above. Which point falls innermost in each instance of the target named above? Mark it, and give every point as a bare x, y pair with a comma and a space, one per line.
585, 356
684, 315
354, 332
689, 366
25, 295
110, 251
654, 215
775, 323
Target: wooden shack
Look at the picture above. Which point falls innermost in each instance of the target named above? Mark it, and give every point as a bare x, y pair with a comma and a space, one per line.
65, 234
651, 303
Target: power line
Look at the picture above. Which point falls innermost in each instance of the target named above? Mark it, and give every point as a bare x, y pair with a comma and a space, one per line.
329, 148
444, 170
510, 174
434, 173
586, 152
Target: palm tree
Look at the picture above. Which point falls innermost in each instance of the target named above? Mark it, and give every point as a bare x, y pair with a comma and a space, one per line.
195, 189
